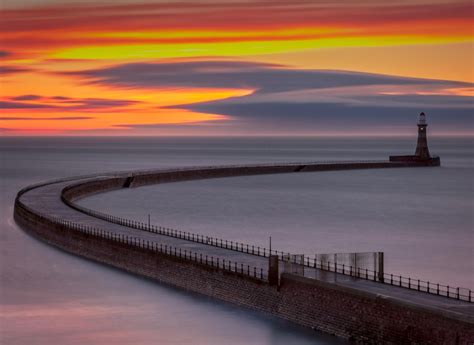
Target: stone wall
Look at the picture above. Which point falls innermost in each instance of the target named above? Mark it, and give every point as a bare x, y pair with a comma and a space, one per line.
93, 186
351, 314
98, 185
431, 161
366, 317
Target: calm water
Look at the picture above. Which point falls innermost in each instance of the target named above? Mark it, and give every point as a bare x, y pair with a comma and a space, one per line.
421, 218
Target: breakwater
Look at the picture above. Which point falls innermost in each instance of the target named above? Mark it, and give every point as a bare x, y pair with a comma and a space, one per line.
353, 309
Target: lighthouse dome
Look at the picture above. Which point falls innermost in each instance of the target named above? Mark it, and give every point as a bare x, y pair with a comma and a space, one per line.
422, 119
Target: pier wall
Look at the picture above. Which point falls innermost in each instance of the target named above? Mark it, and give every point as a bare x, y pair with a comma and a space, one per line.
432, 161
93, 186
348, 313
217, 172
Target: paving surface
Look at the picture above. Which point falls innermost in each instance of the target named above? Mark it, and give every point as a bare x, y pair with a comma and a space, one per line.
47, 200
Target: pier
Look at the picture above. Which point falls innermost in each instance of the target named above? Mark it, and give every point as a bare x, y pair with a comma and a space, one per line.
240, 273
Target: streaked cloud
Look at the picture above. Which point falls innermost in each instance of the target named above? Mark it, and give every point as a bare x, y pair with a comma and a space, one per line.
21, 105
237, 66
231, 74
63, 103
235, 28
213, 15
297, 100
26, 98
64, 118
278, 83
13, 69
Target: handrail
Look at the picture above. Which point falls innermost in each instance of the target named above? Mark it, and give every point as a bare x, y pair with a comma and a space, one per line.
188, 255
354, 271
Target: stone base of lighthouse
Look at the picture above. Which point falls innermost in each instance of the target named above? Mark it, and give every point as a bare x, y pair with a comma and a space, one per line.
431, 161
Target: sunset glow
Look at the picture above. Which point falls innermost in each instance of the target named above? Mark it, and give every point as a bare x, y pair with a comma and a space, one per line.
54, 55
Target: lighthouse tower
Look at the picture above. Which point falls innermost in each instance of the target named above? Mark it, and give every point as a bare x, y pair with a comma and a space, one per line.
422, 155
422, 145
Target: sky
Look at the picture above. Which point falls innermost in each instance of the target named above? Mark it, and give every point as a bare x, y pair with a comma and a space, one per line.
235, 67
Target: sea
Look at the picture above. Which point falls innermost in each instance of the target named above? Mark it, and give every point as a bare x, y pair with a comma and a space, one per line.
421, 218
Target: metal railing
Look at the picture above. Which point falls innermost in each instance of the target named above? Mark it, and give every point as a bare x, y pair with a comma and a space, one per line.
206, 260
353, 271
452, 292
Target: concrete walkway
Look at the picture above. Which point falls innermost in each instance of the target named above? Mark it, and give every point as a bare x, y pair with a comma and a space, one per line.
47, 200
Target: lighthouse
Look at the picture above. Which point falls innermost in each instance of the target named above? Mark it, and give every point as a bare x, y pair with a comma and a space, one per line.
422, 145
422, 155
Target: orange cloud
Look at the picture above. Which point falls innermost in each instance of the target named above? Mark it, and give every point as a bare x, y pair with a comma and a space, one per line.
417, 38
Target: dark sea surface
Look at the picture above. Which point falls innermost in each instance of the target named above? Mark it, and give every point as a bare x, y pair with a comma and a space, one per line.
422, 218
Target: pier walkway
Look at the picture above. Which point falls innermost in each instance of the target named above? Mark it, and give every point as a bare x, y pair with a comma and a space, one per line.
49, 199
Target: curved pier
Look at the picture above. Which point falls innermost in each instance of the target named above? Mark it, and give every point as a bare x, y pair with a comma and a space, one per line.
348, 304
